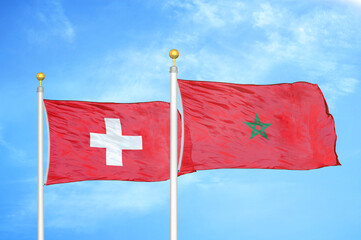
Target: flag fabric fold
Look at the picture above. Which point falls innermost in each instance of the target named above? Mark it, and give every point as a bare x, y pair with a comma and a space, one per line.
109, 141
280, 126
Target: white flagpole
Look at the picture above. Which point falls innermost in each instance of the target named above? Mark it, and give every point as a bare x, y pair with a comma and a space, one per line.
173, 148
40, 76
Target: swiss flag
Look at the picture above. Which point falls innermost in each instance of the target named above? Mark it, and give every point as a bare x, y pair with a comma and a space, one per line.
110, 141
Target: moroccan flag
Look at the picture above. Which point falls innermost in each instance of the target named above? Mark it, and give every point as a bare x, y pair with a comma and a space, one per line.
281, 126
109, 141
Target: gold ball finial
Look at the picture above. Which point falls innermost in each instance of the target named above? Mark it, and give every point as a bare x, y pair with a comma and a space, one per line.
173, 54
40, 76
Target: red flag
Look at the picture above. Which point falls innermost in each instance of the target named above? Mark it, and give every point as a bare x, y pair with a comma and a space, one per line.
109, 141
281, 126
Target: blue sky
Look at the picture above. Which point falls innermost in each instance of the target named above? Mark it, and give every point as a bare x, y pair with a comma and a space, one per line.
118, 51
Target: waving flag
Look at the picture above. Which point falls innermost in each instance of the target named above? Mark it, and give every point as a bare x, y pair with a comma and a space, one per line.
281, 126
109, 141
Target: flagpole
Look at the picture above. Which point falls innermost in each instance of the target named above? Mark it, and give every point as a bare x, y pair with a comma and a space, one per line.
40, 76
173, 148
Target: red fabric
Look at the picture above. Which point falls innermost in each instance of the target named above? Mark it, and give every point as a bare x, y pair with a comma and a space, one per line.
72, 159
301, 135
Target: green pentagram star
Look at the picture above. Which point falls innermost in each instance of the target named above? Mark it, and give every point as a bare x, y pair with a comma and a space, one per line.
256, 123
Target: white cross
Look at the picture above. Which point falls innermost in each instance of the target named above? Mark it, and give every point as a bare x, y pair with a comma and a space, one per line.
115, 142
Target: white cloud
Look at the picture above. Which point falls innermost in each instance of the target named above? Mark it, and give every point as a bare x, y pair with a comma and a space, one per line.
223, 186
304, 35
123, 75
356, 3
305, 41
335, 88
135, 75
13, 151
85, 204
267, 16
348, 85
312, 43
211, 13
52, 22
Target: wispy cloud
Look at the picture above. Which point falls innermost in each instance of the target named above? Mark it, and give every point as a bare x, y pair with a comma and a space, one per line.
312, 43
270, 43
12, 150
52, 21
348, 85
84, 205
336, 88
210, 13
218, 187
136, 75
267, 16
356, 3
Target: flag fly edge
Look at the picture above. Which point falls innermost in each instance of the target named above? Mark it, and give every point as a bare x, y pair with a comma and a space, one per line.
333, 119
